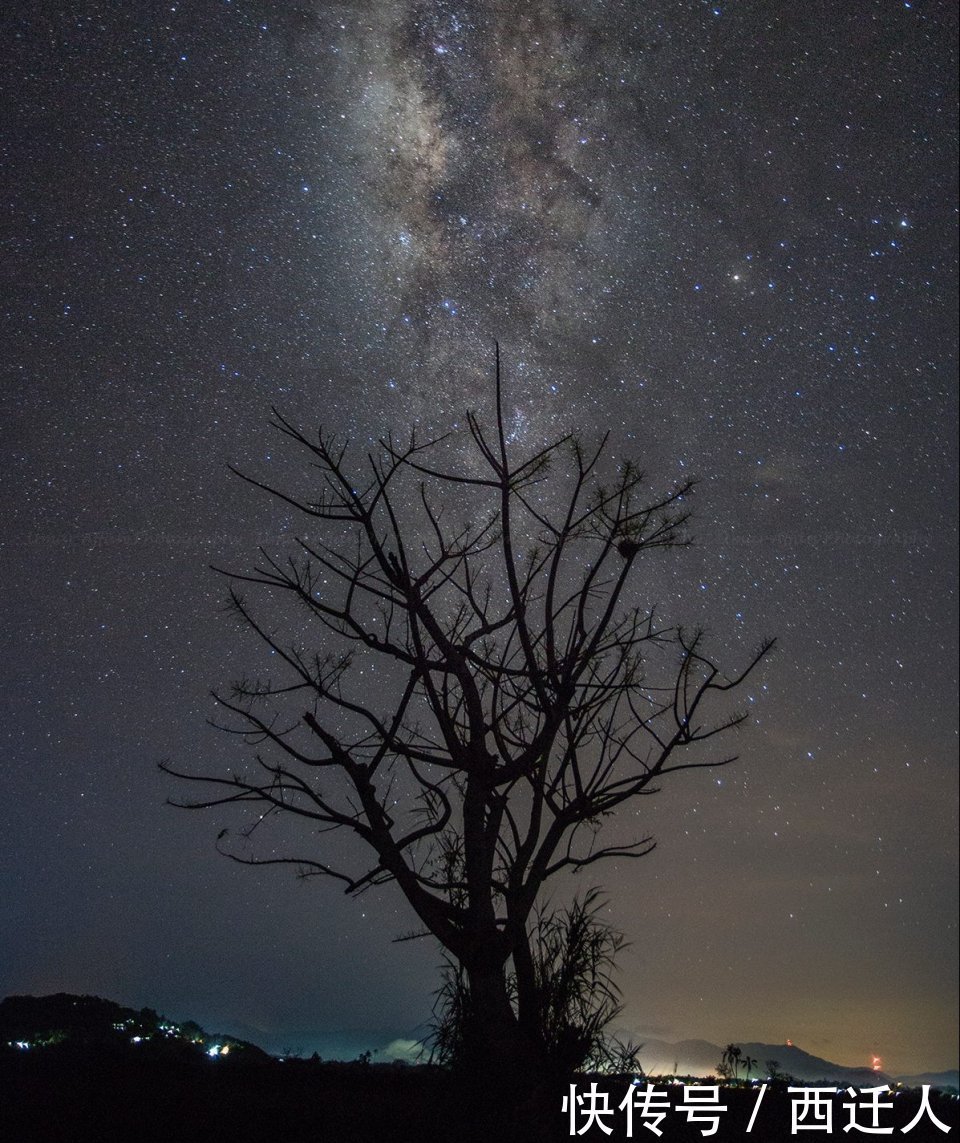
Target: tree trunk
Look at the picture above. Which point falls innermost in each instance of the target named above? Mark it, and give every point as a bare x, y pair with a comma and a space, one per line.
495, 1041
504, 1087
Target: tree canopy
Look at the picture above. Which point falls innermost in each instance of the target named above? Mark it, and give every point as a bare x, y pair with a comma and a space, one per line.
467, 685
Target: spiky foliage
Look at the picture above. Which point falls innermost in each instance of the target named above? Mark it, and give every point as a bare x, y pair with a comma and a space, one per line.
577, 998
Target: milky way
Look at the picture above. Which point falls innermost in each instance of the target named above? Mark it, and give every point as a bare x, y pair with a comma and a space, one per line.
504, 164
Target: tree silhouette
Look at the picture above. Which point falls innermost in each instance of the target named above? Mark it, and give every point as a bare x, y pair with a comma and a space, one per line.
749, 1063
470, 689
775, 1074
574, 955
730, 1061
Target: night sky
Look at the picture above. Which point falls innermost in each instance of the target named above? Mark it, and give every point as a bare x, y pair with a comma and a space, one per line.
725, 231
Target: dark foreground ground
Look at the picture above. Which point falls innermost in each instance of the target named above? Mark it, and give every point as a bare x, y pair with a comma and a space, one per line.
71, 1097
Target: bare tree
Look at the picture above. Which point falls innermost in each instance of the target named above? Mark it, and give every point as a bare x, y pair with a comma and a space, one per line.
472, 691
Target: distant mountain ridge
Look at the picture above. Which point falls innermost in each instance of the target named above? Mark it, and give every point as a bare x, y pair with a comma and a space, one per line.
948, 1079
28, 1022
38, 1022
701, 1058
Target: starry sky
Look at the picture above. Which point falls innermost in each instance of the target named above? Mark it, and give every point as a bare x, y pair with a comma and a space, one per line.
724, 231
